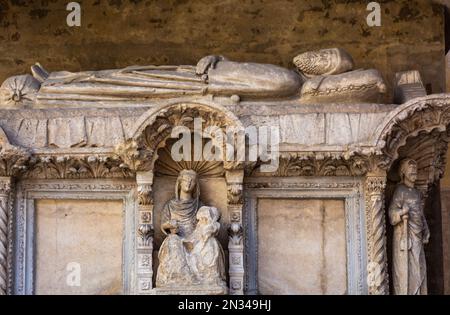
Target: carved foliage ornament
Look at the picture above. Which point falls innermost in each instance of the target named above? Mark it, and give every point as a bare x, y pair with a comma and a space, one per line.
323, 164
74, 167
13, 160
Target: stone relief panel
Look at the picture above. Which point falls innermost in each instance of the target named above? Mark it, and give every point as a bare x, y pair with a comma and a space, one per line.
76, 197
311, 235
78, 247
312, 207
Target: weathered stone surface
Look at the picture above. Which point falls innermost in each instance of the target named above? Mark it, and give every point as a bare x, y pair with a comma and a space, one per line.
88, 233
308, 129
408, 85
301, 247
445, 202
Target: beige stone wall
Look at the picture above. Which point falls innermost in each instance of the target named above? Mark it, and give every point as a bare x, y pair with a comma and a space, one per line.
120, 33
85, 232
301, 246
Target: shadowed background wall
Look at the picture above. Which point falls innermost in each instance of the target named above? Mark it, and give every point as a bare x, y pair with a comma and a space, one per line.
119, 33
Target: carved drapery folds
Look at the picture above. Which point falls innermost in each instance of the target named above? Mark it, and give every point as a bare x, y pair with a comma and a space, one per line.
234, 181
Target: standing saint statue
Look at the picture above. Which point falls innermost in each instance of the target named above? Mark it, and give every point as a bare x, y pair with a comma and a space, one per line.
190, 256
410, 234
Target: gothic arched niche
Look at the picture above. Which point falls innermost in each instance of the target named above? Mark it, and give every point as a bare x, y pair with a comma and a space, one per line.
148, 153
428, 149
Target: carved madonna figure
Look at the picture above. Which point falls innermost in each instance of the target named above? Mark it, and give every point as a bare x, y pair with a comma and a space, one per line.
190, 255
410, 234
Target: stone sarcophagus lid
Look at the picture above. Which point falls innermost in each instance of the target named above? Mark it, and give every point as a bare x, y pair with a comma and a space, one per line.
210, 179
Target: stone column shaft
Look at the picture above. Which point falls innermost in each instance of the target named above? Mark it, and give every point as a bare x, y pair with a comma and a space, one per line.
236, 242
377, 269
5, 190
144, 235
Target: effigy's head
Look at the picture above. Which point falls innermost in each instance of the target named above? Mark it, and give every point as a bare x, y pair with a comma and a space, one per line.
208, 214
408, 170
324, 62
187, 182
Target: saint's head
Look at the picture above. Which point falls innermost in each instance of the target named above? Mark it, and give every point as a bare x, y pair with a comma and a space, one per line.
408, 172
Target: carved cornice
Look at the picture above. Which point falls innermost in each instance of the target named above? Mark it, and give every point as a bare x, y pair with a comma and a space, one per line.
77, 167
348, 163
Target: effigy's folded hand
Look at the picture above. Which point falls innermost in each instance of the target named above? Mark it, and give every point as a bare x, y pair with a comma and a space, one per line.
207, 63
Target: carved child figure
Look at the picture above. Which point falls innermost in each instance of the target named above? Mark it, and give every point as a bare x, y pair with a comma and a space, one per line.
206, 258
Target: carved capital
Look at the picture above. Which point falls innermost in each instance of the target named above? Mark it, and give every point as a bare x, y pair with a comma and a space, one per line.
134, 156
13, 160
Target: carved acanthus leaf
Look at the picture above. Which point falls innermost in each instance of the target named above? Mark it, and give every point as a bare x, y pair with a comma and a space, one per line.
236, 233
90, 166
145, 196
325, 164
145, 233
13, 160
